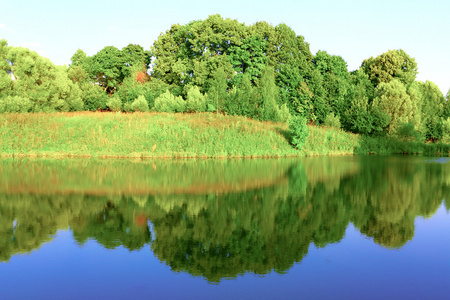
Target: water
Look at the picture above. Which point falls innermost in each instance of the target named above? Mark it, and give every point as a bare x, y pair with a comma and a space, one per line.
314, 228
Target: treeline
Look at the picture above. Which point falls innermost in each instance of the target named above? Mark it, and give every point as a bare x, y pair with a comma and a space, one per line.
219, 65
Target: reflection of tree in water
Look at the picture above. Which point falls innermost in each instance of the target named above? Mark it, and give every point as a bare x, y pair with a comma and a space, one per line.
223, 235
115, 225
27, 221
390, 195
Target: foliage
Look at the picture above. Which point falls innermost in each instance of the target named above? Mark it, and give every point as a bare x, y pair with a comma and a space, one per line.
196, 101
432, 107
406, 133
140, 104
114, 103
446, 131
394, 64
15, 104
110, 66
268, 96
336, 82
283, 114
332, 121
299, 132
167, 102
393, 100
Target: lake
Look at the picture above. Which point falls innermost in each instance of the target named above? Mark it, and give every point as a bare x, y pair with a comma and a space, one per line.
353, 227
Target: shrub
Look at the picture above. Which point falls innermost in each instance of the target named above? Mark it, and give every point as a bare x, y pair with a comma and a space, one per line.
196, 101
169, 103
94, 97
406, 133
140, 104
446, 131
332, 121
127, 107
114, 103
299, 131
283, 114
15, 104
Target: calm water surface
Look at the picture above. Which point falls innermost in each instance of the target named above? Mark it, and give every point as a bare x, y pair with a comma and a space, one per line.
312, 228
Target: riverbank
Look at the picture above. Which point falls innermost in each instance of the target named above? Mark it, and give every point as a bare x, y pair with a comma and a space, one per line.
159, 135
162, 135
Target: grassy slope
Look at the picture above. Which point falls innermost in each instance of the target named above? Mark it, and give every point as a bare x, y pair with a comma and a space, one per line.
158, 135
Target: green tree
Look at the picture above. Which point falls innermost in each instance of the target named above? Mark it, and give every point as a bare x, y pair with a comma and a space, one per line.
110, 66
336, 81
196, 101
432, 108
359, 117
6, 82
393, 100
394, 64
268, 96
217, 92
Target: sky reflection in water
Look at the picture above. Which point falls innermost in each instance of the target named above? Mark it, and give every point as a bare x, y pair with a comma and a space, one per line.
347, 227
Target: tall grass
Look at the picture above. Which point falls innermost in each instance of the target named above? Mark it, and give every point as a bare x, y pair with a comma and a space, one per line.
330, 141
166, 135
386, 146
140, 135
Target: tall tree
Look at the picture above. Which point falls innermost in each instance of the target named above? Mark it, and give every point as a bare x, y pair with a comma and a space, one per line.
336, 81
392, 99
393, 64
432, 107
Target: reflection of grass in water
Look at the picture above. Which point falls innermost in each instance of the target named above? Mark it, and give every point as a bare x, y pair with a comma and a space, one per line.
97, 176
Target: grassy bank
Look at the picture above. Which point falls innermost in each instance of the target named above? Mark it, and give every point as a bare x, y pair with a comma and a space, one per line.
158, 135
386, 146
161, 135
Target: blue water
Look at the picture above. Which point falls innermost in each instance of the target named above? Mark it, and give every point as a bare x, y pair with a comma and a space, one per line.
354, 267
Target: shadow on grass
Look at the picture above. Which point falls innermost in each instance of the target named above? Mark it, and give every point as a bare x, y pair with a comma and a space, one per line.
285, 133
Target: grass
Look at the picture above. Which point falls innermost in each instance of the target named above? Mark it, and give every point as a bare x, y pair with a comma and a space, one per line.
157, 135
163, 135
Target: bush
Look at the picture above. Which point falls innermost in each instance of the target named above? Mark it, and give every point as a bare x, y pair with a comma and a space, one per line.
406, 133
196, 101
140, 104
114, 103
446, 131
332, 121
283, 114
15, 104
94, 97
169, 103
299, 131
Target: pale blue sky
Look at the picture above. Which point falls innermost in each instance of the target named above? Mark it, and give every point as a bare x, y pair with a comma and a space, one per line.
353, 29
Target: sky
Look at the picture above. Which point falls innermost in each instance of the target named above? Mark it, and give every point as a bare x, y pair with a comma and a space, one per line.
352, 29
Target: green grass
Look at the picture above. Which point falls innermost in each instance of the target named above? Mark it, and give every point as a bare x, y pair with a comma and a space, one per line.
162, 135
158, 135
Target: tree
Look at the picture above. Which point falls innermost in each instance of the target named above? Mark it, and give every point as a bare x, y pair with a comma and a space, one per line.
41, 82
110, 66
358, 116
432, 108
6, 81
394, 64
336, 81
393, 100
217, 92
268, 96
